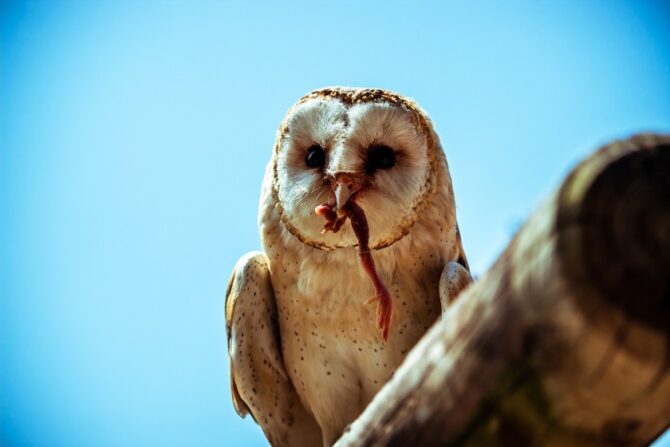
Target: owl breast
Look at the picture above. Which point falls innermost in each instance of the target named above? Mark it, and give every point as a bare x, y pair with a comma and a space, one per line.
333, 351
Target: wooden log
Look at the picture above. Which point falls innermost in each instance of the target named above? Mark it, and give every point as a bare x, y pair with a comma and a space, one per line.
566, 339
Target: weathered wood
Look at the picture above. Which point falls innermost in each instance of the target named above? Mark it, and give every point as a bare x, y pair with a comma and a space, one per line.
566, 340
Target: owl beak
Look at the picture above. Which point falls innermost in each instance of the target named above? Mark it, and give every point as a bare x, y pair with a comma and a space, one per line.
345, 185
342, 195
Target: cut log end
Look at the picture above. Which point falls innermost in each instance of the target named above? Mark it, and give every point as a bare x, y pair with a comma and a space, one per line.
621, 216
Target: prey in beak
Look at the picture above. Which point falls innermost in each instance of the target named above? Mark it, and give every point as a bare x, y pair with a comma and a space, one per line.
345, 185
345, 206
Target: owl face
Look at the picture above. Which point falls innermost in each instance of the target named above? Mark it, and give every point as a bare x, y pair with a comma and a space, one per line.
352, 145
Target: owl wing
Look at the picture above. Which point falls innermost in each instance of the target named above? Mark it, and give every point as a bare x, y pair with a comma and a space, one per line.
455, 278
259, 383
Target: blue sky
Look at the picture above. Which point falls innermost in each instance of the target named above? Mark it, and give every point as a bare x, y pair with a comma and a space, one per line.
133, 138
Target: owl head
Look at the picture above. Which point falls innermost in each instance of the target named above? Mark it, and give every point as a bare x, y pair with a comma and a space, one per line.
368, 145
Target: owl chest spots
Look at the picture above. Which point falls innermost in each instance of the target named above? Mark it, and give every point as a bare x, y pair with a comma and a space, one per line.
333, 350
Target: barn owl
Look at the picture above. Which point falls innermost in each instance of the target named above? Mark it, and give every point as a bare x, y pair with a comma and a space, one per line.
362, 253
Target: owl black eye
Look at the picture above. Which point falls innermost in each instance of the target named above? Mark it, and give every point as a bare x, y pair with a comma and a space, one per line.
315, 157
380, 157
